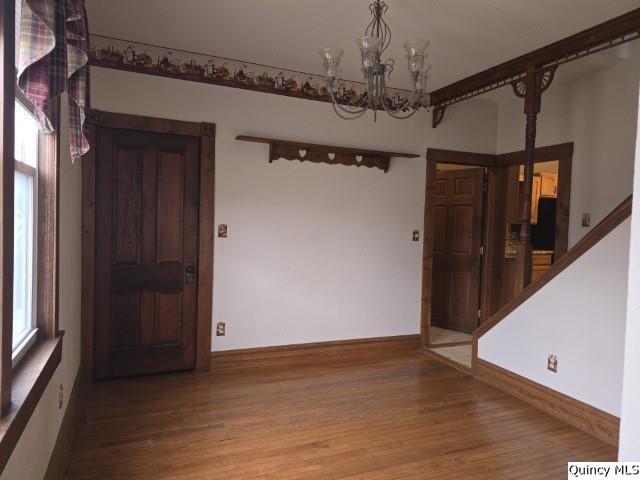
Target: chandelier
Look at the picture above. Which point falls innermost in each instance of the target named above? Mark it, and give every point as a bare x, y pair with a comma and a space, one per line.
372, 44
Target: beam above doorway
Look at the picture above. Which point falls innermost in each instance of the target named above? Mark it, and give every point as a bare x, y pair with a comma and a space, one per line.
609, 34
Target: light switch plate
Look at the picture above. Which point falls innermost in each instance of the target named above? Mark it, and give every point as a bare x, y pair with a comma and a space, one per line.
586, 220
416, 236
222, 230
221, 329
552, 363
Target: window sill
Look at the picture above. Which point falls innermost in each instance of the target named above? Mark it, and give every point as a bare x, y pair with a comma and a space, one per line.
25, 345
29, 381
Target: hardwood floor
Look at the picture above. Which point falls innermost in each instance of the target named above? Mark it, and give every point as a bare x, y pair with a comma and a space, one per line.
368, 414
460, 354
439, 336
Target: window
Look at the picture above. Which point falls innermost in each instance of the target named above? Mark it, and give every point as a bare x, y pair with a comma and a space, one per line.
28, 202
27, 139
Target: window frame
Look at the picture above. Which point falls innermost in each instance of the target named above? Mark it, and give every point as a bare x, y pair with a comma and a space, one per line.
46, 205
29, 340
22, 387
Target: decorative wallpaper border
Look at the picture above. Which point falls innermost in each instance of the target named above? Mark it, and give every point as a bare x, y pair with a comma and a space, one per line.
139, 57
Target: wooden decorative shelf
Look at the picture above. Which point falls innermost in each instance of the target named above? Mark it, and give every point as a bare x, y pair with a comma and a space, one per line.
310, 152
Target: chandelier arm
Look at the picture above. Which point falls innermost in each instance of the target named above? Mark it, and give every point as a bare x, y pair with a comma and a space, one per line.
351, 115
349, 110
331, 91
396, 115
359, 111
412, 100
346, 111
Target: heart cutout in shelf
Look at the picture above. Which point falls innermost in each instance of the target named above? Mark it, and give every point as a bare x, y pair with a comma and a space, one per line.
331, 156
302, 153
359, 158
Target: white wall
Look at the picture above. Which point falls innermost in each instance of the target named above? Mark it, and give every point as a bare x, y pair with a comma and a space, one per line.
597, 112
315, 252
629, 450
30, 458
578, 316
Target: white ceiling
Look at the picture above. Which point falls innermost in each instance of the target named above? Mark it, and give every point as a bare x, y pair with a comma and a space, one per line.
466, 36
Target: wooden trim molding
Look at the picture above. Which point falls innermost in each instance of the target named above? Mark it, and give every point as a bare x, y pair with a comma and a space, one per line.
250, 357
30, 379
563, 204
543, 154
142, 123
582, 416
62, 448
462, 158
88, 253
7, 87
310, 152
205, 245
48, 228
427, 251
206, 133
495, 221
606, 35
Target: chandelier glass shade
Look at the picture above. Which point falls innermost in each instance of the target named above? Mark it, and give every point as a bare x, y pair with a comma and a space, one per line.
372, 45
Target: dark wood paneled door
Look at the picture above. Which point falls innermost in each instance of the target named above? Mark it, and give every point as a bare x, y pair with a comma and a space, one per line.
457, 249
146, 252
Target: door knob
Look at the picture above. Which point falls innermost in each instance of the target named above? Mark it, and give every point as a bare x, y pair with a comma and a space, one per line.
190, 272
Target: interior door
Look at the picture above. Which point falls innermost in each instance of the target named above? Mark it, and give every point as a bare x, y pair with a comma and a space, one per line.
146, 252
456, 249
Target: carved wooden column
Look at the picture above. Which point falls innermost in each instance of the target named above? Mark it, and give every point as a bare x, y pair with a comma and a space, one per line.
532, 101
531, 89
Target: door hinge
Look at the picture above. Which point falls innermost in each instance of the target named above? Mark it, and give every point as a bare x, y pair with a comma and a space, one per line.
479, 314
482, 250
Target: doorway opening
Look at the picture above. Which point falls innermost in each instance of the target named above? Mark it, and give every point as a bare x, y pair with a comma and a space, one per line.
544, 206
472, 221
459, 206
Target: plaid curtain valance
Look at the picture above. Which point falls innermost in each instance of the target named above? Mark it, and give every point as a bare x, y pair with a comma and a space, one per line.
52, 57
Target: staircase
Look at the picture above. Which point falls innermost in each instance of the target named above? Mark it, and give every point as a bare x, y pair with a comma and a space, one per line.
577, 312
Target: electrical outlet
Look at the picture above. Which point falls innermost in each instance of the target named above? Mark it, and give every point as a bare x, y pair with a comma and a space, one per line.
220, 329
552, 363
60, 397
416, 235
222, 230
586, 220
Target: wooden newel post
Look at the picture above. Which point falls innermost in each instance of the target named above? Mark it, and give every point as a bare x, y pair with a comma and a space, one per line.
531, 110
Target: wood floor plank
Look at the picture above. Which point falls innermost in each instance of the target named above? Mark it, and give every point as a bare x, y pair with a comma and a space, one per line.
368, 414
